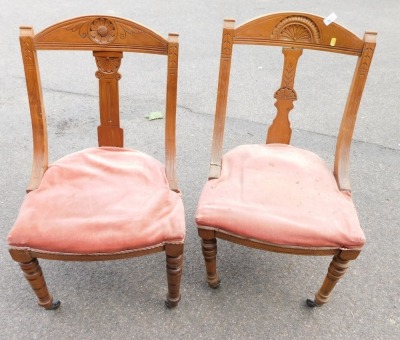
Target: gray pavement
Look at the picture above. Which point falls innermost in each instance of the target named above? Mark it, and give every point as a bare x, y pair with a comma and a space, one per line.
263, 294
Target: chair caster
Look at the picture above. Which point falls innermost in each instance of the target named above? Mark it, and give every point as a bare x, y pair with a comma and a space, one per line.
311, 303
172, 303
214, 285
54, 305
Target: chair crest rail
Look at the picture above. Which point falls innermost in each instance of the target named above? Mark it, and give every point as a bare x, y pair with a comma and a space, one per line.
300, 30
100, 33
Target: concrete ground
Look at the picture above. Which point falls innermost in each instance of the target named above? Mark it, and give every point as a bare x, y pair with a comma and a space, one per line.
262, 294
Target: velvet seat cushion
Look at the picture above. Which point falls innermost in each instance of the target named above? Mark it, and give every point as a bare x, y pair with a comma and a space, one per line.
281, 195
100, 200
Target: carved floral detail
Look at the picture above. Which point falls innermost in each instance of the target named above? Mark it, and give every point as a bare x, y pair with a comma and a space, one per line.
227, 44
173, 57
127, 30
286, 94
298, 29
78, 26
366, 61
28, 55
288, 76
102, 31
108, 65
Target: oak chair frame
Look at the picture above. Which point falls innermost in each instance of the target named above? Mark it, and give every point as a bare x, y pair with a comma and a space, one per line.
280, 29
87, 33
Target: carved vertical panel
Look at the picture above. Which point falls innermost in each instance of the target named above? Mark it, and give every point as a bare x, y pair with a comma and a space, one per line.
222, 98
227, 43
170, 125
366, 59
109, 132
280, 131
36, 106
342, 155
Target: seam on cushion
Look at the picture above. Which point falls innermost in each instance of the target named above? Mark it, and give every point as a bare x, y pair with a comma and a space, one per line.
111, 148
271, 244
174, 242
101, 148
94, 254
279, 145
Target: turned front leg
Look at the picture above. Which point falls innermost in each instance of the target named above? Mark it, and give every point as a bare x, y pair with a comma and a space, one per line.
209, 248
174, 257
33, 273
336, 270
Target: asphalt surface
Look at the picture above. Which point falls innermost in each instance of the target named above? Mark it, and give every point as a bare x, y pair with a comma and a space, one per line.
262, 294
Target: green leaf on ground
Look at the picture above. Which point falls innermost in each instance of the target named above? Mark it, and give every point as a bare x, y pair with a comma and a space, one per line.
154, 115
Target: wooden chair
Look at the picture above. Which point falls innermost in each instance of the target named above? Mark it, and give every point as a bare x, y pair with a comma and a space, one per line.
106, 202
274, 196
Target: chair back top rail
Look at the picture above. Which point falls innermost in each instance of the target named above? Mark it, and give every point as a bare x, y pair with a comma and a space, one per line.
300, 30
100, 33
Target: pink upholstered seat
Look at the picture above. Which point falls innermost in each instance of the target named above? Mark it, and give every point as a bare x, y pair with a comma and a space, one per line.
100, 200
282, 195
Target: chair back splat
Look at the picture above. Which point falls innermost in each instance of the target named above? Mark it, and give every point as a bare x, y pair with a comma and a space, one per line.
274, 196
293, 32
107, 202
108, 38
109, 132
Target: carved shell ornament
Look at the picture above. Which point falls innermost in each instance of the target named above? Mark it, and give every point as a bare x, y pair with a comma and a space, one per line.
286, 94
108, 65
102, 31
298, 29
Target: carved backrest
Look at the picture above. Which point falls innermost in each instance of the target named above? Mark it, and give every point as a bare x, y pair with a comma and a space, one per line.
108, 38
294, 32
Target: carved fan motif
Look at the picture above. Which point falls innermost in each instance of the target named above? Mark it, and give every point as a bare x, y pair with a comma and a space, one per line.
102, 31
286, 94
108, 64
297, 28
